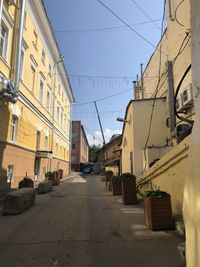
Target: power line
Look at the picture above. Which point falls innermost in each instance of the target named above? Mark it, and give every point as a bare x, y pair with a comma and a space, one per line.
142, 10
181, 49
102, 99
105, 28
156, 91
127, 25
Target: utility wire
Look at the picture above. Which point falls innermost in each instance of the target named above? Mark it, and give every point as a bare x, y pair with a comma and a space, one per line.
142, 10
159, 79
127, 25
182, 48
176, 10
102, 99
105, 28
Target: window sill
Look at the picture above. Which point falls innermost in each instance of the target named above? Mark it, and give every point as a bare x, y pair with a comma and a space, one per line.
5, 61
34, 45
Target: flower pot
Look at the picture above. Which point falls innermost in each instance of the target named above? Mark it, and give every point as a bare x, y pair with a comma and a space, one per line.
129, 194
117, 188
158, 212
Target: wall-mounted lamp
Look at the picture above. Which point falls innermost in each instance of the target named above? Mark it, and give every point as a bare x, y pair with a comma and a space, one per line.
122, 120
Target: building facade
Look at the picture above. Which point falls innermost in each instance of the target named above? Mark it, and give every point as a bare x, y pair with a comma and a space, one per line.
80, 146
112, 155
36, 133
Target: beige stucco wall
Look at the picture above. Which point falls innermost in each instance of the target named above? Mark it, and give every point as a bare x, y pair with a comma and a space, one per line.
191, 207
136, 132
169, 175
127, 141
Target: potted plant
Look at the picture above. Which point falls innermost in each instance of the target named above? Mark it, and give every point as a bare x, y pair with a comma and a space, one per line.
116, 185
109, 175
157, 209
129, 194
26, 183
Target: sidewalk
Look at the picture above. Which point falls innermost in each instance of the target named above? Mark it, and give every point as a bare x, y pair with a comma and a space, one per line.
153, 243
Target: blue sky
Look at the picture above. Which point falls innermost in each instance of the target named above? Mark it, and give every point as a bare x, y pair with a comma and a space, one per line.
102, 55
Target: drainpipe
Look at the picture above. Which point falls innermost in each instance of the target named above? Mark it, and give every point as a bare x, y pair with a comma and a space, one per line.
19, 45
1, 6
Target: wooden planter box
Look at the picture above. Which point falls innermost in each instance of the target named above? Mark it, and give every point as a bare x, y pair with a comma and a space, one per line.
117, 188
129, 194
158, 213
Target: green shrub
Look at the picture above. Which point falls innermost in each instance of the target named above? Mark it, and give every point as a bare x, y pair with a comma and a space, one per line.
154, 192
115, 179
125, 177
109, 174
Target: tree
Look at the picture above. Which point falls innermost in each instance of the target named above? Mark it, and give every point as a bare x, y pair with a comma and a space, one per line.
93, 152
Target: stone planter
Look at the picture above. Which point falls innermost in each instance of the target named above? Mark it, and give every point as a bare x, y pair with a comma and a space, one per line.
117, 188
158, 212
129, 194
54, 177
61, 173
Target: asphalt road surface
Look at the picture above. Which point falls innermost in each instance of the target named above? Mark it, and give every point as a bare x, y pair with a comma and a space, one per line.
80, 224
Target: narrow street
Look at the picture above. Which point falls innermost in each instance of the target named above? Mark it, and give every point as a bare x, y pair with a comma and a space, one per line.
80, 224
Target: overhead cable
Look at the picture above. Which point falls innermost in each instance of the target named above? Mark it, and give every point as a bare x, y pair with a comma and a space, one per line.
142, 10
127, 25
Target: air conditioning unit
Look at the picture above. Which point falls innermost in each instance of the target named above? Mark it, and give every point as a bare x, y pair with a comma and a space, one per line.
12, 2
179, 104
187, 97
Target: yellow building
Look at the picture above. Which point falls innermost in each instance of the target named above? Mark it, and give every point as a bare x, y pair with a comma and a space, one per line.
35, 132
164, 164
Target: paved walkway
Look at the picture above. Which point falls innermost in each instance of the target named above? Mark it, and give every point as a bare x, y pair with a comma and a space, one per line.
80, 224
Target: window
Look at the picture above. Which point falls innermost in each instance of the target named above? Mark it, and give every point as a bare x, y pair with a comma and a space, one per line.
65, 122
14, 125
49, 69
48, 103
61, 151
59, 89
22, 62
3, 40
25, 20
35, 40
38, 140
43, 56
10, 171
61, 120
41, 90
46, 143
62, 96
73, 146
58, 113
73, 158
64, 152
33, 73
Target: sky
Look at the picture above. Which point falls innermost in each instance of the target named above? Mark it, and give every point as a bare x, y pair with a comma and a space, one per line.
103, 55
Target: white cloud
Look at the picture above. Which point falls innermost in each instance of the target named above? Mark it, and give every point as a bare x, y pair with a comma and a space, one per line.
96, 138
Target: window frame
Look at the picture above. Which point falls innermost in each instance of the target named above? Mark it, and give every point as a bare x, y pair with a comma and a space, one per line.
10, 172
41, 96
14, 129
6, 40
